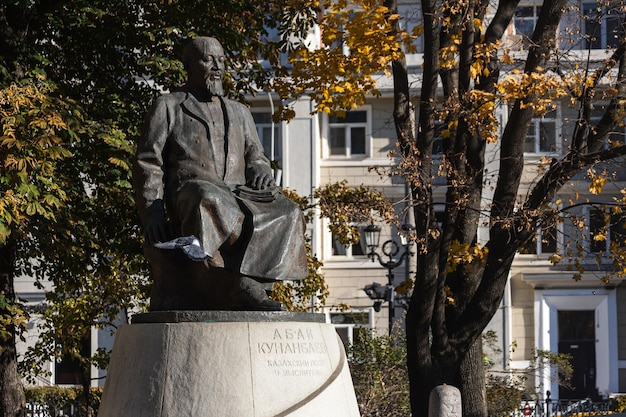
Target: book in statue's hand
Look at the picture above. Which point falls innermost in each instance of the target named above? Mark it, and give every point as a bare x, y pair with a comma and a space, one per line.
265, 195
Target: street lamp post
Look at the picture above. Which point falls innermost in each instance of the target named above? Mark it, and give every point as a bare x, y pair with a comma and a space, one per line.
390, 249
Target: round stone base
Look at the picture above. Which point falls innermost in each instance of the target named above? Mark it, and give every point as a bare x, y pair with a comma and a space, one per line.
228, 369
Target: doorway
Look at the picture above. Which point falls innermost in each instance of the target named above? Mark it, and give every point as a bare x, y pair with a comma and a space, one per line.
577, 338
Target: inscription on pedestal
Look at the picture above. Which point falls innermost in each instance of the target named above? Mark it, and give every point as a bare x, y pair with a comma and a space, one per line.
292, 341
297, 367
293, 352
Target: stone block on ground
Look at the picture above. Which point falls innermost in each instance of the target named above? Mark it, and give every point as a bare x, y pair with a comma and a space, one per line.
445, 401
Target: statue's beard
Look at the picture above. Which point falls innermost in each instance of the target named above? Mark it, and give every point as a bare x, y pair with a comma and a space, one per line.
214, 86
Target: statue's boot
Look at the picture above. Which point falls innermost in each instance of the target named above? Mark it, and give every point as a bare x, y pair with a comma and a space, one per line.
251, 296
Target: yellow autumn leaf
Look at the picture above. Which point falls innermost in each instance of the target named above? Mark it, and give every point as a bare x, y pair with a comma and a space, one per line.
599, 237
555, 258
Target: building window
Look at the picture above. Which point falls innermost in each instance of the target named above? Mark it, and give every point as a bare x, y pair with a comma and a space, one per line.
350, 324
545, 241
617, 231
410, 18
605, 230
598, 239
524, 21
68, 370
357, 249
541, 136
347, 135
269, 134
601, 26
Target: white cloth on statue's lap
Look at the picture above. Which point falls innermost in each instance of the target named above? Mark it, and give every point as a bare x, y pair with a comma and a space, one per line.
190, 245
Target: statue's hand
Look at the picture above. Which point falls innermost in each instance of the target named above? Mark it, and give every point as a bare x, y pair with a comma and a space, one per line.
158, 228
259, 178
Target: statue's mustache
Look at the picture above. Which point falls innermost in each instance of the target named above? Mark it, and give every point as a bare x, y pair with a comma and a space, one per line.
214, 75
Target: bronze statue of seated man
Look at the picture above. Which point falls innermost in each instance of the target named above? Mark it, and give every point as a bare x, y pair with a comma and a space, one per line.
215, 224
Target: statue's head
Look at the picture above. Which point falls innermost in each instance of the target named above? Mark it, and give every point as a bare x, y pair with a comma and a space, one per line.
204, 61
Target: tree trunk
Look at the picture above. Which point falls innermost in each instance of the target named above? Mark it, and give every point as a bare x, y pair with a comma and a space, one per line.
12, 399
472, 382
86, 384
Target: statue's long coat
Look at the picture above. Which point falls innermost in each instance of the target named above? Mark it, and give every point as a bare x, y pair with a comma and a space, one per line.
178, 162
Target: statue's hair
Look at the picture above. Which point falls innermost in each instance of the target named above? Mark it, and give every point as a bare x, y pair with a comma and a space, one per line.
198, 46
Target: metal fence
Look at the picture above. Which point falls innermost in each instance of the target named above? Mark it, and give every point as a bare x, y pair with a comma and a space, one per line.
563, 408
542, 408
41, 410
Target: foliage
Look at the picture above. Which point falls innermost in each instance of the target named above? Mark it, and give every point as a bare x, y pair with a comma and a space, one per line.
37, 134
12, 316
503, 391
344, 206
466, 54
377, 364
356, 46
378, 369
619, 403
60, 193
58, 399
559, 363
472, 256
310, 293
506, 388
503, 396
72, 100
144, 42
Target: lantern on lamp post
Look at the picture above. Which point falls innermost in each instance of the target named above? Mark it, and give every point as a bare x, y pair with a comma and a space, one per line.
389, 249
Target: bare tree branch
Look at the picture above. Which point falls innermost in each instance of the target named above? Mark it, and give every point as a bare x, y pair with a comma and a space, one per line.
512, 149
503, 243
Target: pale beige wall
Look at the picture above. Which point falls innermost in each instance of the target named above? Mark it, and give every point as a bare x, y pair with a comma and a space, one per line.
621, 326
522, 317
355, 175
383, 131
347, 277
621, 333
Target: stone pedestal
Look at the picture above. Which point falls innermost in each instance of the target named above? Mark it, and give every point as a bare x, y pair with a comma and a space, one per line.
228, 364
